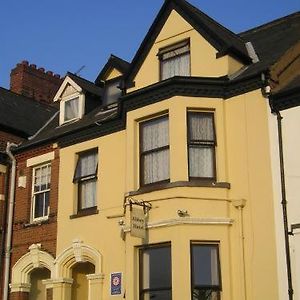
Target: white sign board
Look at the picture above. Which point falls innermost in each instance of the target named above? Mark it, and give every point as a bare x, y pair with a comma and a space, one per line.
137, 223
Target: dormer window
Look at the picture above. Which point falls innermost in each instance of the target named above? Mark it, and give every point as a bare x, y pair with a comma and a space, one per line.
71, 109
175, 60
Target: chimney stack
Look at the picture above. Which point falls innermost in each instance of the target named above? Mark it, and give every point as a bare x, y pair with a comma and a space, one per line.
28, 80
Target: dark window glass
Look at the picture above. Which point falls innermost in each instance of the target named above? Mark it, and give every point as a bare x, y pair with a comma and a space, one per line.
205, 272
201, 145
156, 273
154, 149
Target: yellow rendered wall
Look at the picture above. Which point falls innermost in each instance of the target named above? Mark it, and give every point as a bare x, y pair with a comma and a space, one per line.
242, 159
113, 74
203, 55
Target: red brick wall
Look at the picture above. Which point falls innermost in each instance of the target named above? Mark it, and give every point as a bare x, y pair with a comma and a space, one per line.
8, 137
35, 83
24, 233
19, 296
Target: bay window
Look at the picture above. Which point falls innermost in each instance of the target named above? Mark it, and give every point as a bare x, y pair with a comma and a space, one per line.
155, 272
154, 151
205, 267
201, 145
86, 178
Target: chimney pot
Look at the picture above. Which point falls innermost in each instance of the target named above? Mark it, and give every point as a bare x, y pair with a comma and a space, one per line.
25, 62
49, 73
42, 70
33, 66
57, 76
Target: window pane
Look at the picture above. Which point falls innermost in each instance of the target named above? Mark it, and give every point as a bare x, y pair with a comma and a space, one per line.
201, 126
156, 264
155, 134
87, 193
201, 162
176, 66
39, 205
86, 165
156, 166
157, 295
205, 266
72, 109
199, 294
112, 93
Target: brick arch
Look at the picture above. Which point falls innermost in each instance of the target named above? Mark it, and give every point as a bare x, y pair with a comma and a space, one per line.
35, 258
78, 252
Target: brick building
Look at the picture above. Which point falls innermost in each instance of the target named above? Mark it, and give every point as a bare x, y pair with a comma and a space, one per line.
23, 111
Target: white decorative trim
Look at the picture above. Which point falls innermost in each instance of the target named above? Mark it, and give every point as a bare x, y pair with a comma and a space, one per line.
189, 221
95, 276
67, 81
40, 159
35, 258
78, 252
20, 287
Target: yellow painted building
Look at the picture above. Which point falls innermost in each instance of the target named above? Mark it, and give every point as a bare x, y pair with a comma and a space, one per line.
165, 191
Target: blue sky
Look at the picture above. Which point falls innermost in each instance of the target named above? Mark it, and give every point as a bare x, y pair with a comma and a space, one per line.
63, 35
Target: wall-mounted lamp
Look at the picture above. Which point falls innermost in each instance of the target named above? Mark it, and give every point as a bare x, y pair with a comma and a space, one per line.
182, 213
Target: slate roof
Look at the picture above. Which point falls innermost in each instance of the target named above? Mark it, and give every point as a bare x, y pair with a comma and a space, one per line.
86, 85
22, 115
271, 41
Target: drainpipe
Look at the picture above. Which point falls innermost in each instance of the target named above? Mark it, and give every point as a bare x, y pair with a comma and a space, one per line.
3, 225
10, 210
284, 207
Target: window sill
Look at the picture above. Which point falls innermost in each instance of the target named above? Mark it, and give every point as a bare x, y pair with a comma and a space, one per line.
37, 223
85, 212
192, 183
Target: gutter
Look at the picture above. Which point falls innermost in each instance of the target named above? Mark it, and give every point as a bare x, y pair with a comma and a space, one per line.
10, 211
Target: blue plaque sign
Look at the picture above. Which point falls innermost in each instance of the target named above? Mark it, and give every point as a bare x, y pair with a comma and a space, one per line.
115, 284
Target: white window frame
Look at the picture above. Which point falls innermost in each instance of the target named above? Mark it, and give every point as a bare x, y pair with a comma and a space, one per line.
81, 107
33, 202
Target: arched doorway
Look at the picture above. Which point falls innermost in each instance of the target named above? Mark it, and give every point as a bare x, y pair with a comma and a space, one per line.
80, 286
37, 288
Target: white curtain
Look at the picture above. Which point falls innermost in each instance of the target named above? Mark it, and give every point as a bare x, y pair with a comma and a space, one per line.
201, 126
71, 109
88, 194
87, 166
201, 162
155, 134
176, 66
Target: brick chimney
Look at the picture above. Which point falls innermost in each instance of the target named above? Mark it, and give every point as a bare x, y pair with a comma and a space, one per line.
28, 80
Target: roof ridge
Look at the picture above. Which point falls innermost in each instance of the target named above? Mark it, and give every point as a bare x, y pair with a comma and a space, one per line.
270, 23
27, 98
213, 20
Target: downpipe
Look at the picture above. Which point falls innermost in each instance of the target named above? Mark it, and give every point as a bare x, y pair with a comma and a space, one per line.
10, 212
284, 207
